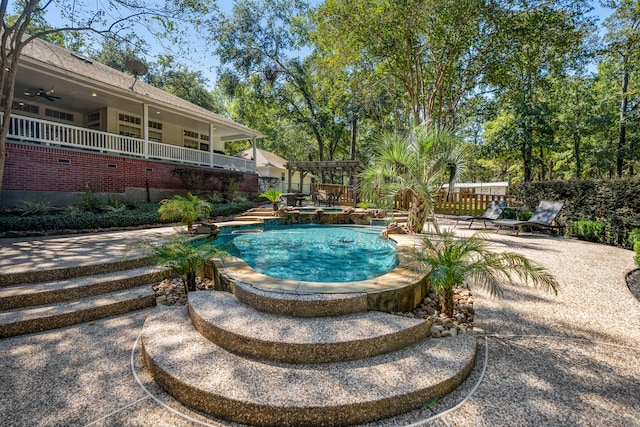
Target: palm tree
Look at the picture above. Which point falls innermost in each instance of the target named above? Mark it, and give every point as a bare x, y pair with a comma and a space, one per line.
187, 209
450, 263
273, 196
413, 167
182, 256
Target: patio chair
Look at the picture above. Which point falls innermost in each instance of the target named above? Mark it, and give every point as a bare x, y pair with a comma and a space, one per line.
333, 199
543, 217
493, 212
320, 197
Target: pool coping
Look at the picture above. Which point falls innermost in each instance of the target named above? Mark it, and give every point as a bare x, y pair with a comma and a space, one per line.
399, 290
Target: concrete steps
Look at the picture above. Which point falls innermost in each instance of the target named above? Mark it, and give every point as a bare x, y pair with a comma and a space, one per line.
305, 305
49, 299
30, 294
249, 389
241, 329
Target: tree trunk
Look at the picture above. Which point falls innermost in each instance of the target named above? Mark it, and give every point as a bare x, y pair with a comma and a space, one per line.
352, 150
190, 282
576, 154
447, 302
622, 130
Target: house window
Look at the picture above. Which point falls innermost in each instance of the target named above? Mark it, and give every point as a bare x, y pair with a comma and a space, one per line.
204, 147
155, 136
191, 143
58, 114
191, 139
27, 108
129, 125
204, 137
129, 119
93, 120
125, 130
155, 125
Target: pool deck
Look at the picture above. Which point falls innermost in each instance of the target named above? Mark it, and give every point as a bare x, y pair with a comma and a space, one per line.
566, 360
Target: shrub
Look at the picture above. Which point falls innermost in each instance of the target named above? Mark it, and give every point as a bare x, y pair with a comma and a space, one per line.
634, 239
34, 207
187, 209
114, 204
79, 221
88, 200
231, 208
592, 231
215, 198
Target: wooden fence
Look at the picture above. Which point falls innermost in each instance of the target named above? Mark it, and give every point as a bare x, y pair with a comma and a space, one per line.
465, 203
444, 204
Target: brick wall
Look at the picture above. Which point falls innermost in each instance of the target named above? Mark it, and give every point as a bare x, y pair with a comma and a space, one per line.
41, 168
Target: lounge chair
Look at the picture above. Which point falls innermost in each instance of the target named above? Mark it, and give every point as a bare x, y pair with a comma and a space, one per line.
493, 212
543, 217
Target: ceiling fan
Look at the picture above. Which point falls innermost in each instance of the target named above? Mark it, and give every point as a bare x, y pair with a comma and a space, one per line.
46, 94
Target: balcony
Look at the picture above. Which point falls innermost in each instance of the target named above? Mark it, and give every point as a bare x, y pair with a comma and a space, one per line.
29, 129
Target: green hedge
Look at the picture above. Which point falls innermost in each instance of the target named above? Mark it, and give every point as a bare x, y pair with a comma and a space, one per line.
615, 202
142, 214
84, 220
232, 208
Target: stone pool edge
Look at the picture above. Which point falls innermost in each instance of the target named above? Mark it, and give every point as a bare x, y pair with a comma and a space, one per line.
399, 290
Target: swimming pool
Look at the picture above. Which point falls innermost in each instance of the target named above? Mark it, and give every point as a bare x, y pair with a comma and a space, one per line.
313, 253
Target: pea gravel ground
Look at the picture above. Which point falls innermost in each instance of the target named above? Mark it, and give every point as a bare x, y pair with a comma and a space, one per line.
566, 360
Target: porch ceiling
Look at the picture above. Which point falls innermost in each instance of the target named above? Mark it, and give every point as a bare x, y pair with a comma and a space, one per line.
77, 95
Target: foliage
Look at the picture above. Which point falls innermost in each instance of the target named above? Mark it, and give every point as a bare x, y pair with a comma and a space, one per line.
75, 218
449, 263
215, 198
186, 209
413, 167
271, 195
615, 202
435, 50
623, 47
592, 231
88, 200
545, 40
634, 239
80, 220
114, 204
182, 256
34, 207
233, 208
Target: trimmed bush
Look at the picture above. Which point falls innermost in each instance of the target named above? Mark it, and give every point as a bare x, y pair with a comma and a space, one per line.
634, 239
231, 208
592, 231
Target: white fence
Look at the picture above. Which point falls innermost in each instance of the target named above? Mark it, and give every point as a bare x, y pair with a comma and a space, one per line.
29, 129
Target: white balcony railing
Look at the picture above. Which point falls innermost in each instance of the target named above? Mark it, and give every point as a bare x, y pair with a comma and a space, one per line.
29, 129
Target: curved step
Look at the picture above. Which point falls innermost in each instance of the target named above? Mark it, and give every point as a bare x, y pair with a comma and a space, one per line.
299, 305
56, 315
239, 328
31, 294
211, 379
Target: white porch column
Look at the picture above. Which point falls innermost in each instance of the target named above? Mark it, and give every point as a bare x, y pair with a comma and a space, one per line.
211, 129
145, 129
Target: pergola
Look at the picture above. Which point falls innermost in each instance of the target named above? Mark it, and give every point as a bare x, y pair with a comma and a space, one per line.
350, 166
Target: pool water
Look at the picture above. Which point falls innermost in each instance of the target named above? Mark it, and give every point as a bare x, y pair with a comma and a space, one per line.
314, 253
